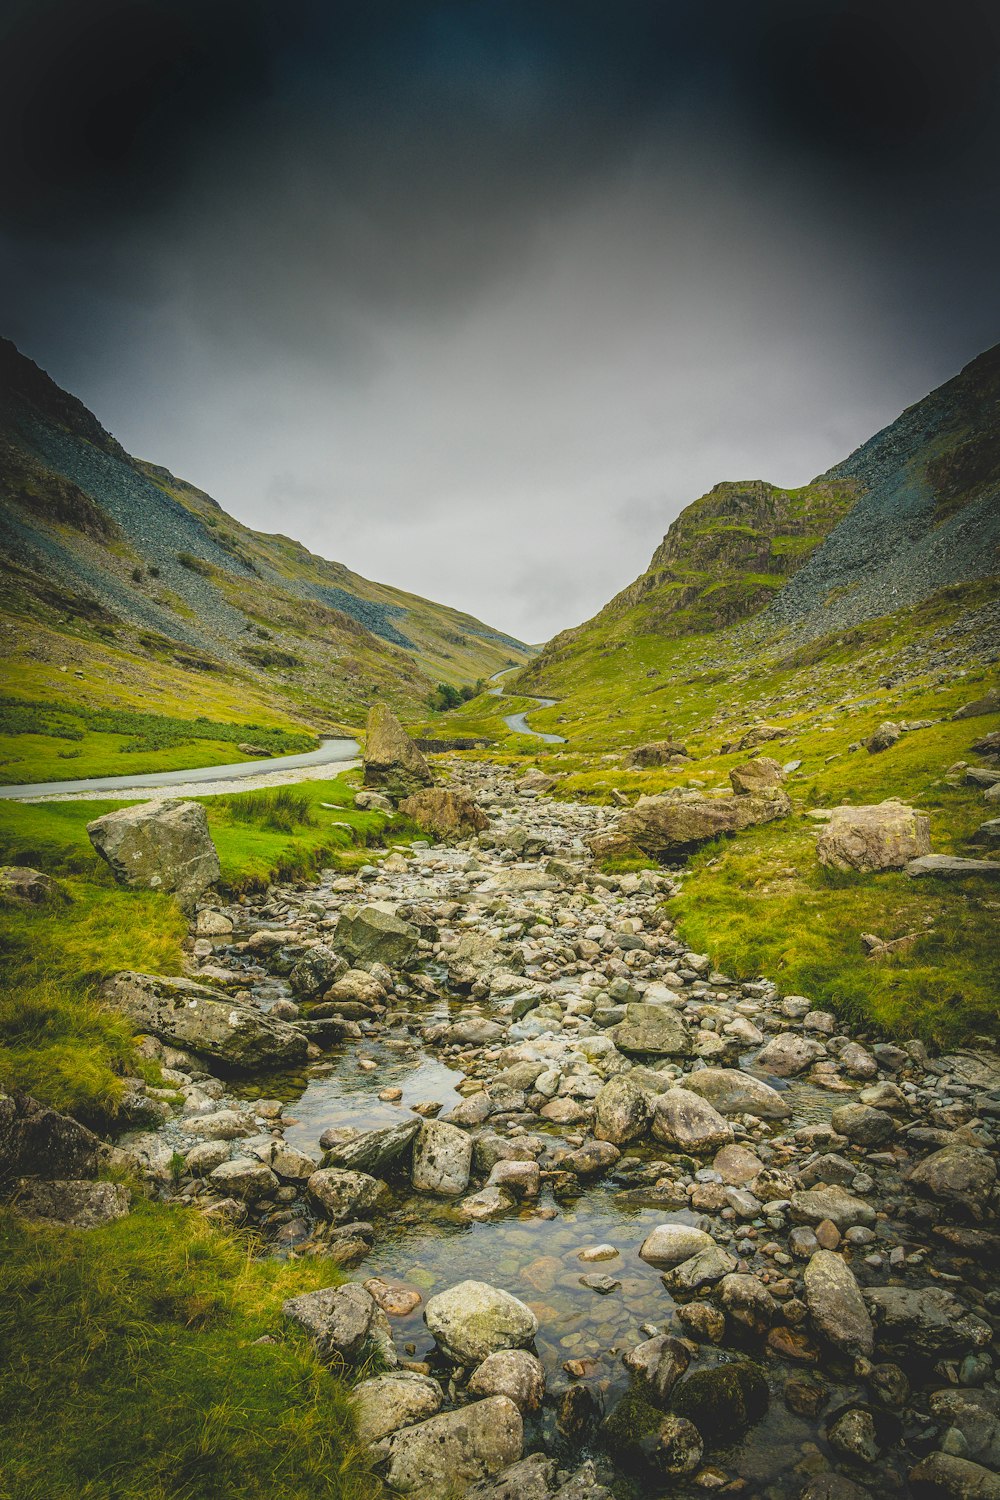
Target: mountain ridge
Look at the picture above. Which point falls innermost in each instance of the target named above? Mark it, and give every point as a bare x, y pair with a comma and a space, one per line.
125, 571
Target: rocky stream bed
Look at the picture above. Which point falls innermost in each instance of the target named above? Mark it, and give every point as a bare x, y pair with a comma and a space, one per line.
598, 1204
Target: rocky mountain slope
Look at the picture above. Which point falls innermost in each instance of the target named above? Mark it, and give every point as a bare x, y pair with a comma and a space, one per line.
118, 570
913, 511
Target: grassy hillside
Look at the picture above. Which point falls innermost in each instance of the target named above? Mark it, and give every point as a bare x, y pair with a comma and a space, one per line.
124, 587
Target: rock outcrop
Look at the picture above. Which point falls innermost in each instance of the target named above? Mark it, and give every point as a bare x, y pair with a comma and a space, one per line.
159, 846
445, 814
392, 761
878, 836
191, 1015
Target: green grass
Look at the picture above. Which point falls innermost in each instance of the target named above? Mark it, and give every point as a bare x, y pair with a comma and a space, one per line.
762, 905
132, 1369
57, 1041
47, 742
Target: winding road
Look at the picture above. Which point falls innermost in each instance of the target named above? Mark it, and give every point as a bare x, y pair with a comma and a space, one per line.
518, 723
330, 752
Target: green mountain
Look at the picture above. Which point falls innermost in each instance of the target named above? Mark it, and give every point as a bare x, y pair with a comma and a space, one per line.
913, 511
125, 587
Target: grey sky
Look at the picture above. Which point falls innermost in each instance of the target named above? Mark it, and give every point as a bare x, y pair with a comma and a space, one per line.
476, 309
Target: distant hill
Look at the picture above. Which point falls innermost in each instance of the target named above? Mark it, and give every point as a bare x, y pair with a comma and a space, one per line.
134, 580
915, 510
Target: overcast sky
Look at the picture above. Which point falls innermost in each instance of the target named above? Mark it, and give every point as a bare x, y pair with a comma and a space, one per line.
475, 297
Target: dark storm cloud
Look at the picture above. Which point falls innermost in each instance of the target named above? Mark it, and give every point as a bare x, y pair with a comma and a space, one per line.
429, 285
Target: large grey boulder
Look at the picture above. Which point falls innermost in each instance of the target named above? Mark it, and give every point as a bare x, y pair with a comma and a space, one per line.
789, 1053
926, 1321
447, 1453
193, 1016
670, 1244
373, 1151
446, 814
374, 934
654, 1029
385, 1403
960, 1176
77, 1205
392, 761
836, 1305
473, 1319
686, 1121
343, 1323
442, 1159
733, 1092
945, 1476
878, 836
665, 828
159, 846
834, 1203
20, 885
622, 1111
756, 776
342, 1196
38, 1141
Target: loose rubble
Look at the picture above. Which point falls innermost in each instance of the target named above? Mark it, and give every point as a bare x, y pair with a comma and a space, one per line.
806, 1215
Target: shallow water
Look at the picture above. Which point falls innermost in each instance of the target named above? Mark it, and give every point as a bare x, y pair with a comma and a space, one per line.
533, 1251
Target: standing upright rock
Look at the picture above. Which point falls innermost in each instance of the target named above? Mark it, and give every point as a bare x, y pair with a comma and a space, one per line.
159, 846
391, 759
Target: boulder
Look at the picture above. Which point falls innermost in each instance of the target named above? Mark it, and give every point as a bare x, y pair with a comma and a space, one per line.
789, 1053
20, 885
723, 1401
703, 1269
316, 970
244, 1178
37, 1141
373, 1151
392, 761
836, 1305
884, 738
655, 753
447, 1453
989, 703
659, 1362
944, 1476
736, 1093
834, 1203
385, 1403
863, 1125
77, 1205
687, 1122
442, 1159
961, 1176
477, 956
747, 1302
531, 1478
372, 802
951, 867
473, 1319
193, 1016
374, 934
445, 814
343, 1322
659, 1444
665, 828
514, 1373
621, 1111
877, 836
159, 846
342, 1196
926, 1321
756, 776
653, 1029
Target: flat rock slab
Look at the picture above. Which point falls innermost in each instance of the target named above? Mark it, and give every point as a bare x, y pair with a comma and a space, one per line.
952, 867
191, 1015
77, 1205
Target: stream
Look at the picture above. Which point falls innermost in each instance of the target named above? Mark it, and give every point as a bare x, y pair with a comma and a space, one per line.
569, 948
